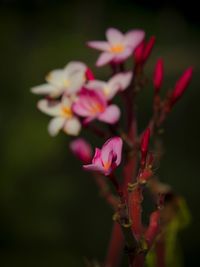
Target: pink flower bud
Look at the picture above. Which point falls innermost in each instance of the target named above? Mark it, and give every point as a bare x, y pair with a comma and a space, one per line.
144, 145
148, 48
138, 53
181, 85
143, 51
158, 75
153, 228
81, 149
89, 74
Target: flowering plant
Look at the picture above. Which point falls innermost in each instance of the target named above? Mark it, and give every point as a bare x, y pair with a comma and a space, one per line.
76, 100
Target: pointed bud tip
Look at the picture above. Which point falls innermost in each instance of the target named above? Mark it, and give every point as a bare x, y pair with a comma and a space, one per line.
181, 85
158, 75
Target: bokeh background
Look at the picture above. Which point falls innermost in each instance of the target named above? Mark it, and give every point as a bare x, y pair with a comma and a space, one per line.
51, 213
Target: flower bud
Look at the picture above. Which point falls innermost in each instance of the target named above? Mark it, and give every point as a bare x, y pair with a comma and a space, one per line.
81, 149
181, 85
148, 48
138, 53
158, 75
89, 74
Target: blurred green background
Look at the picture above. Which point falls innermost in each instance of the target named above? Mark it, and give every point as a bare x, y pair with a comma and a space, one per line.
50, 210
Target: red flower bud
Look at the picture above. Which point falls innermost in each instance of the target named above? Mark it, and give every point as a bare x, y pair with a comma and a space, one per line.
153, 228
89, 74
143, 51
144, 145
181, 85
138, 53
158, 75
148, 48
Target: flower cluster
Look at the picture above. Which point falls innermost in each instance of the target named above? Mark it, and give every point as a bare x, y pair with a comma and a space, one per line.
75, 98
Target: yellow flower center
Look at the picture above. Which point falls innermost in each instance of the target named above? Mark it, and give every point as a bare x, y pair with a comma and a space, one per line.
66, 112
96, 108
118, 48
106, 165
66, 83
106, 90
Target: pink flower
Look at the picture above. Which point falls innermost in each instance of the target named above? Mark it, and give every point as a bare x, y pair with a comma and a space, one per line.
118, 46
181, 85
82, 150
108, 158
118, 82
158, 75
143, 51
92, 105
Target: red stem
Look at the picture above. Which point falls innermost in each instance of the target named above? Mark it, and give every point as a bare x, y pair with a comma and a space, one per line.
115, 247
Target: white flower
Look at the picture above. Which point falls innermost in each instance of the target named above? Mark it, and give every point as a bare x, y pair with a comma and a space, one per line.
118, 46
63, 116
118, 82
68, 80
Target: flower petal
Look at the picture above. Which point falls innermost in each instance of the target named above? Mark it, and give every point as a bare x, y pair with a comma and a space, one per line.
55, 125
114, 145
43, 89
120, 81
99, 45
95, 84
56, 77
110, 115
114, 36
75, 66
123, 55
104, 58
134, 38
51, 108
72, 126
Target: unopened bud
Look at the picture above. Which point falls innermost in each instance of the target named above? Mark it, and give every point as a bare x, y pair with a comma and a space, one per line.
81, 149
144, 145
158, 75
89, 74
181, 85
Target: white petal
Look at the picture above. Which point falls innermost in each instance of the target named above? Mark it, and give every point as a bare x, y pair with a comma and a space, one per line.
49, 107
99, 45
114, 36
104, 58
75, 66
72, 126
120, 81
134, 38
43, 89
95, 84
123, 55
57, 78
55, 125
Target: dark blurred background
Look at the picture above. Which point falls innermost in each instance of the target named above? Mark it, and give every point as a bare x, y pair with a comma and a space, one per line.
50, 211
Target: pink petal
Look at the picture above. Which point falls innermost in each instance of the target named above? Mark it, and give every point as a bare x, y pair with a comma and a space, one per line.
124, 55
104, 58
114, 36
110, 115
99, 45
96, 162
134, 38
87, 101
113, 144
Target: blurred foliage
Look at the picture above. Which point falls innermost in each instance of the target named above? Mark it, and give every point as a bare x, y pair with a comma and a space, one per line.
50, 211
